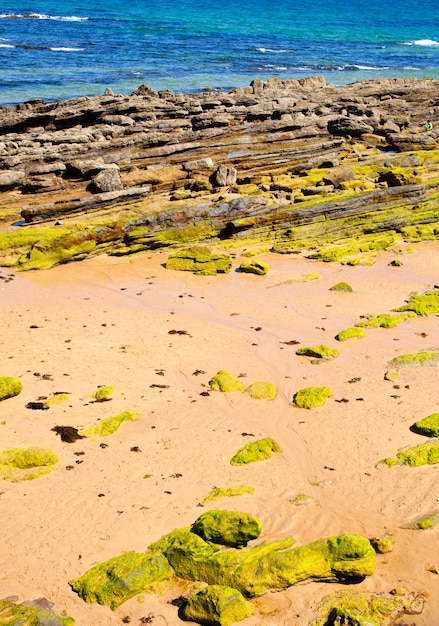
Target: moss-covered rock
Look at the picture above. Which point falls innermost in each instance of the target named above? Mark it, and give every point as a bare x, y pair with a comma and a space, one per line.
9, 387
424, 454
217, 605
255, 451
228, 528
359, 608
103, 393
383, 545
253, 266
120, 578
18, 464
228, 492
262, 391
342, 286
415, 360
423, 522
108, 425
200, 260
31, 613
429, 426
318, 352
384, 320
57, 398
223, 381
350, 333
311, 397
422, 303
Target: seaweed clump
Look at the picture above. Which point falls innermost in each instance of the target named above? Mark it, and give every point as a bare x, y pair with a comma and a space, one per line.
18, 464
350, 333
318, 352
255, 451
227, 492
108, 425
262, 391
311, 397
429, 426
223, 381
9, 387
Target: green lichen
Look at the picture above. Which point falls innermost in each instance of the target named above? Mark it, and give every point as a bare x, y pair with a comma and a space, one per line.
108, 425
32, 613
9, 387
262, 391
423, 522
350, 333
102, 393
227, 528
422, 303
383, 545
223, 381
252, 266
57, 398
217, 605
200, 260
311, 397
318, 352
415, 360
255, 451
424, 454
117, 580
342, 286
429, 426
17, 464
228, 492
384, 320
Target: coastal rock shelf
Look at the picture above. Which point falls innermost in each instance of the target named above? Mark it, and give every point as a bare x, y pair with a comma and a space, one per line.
297, 164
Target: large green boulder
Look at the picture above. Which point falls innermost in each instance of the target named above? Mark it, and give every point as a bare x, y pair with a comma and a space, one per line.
424, 454
258, 450
223, 381
252, 266
311, 397
200, 260
228, 528
31, 613
429, 426
9, 387
120, 578
216, 605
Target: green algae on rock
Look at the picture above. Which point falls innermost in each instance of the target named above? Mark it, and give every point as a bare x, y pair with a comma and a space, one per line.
423, 522
429, 426
228, 528
422, 303
108, 425
31, 613
424, 454
311, 397
18, 464
262, 391
217, 605
415, 360
255, 451
384, 320
253, 266
120, 578
342, 286
228, 492
362, 608
383, 544
318, 352
223, 381
200, 260
57, 398
350, 333
9, 387
103, 393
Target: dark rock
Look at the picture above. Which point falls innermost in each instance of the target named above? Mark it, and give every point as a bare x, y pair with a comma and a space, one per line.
348, 127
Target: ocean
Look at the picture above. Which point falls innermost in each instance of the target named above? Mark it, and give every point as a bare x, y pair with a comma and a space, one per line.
52, 49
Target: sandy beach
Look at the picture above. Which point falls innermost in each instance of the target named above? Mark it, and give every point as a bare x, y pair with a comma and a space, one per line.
158, 336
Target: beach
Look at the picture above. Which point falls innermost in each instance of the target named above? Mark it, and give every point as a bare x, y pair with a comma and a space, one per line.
158, 337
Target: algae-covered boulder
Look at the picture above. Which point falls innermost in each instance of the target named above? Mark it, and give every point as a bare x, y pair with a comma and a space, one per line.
18, 464
103, 393
385, 320
200, 260
31, 613
255, 451
120, 578
415, 360
429, 426
382, 545
360, 608
228, 528
217, 605
342, 286
223, 381
253, 266
350, 333
108, 425
424, 454
57, 398
423, 522
422, 303
9, 387
311, 397
318, 352
228, 492
262, 391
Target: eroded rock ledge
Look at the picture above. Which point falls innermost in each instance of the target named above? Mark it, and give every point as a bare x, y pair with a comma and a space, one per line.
296, 164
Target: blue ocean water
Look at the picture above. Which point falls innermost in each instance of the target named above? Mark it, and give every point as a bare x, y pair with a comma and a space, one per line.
52, 49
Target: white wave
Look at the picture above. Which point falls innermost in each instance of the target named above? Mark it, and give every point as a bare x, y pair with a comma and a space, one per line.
268, 66
421, 42
366, 67
264, 50
64, 49
6, 45
42, 16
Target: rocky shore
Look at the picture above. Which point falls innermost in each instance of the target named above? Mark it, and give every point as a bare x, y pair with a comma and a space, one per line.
290, 165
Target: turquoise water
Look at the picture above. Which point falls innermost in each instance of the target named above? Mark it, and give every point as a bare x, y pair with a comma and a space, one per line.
52, 49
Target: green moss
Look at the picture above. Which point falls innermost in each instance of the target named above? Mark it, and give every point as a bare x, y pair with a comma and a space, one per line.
424, 454
117, 580
228, 492
341, 287
415, 360
423, 522
227, 528
318, 352
108, 425
262, 391
9, 387
384, 320
200, 260
422, 303
255, 451
429, 426
396, 263
389, 462
350, 333
33, 613
382, 545
223, 381
18, 464
103, 393
57, 398
217, 605
311, 397
252, 266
